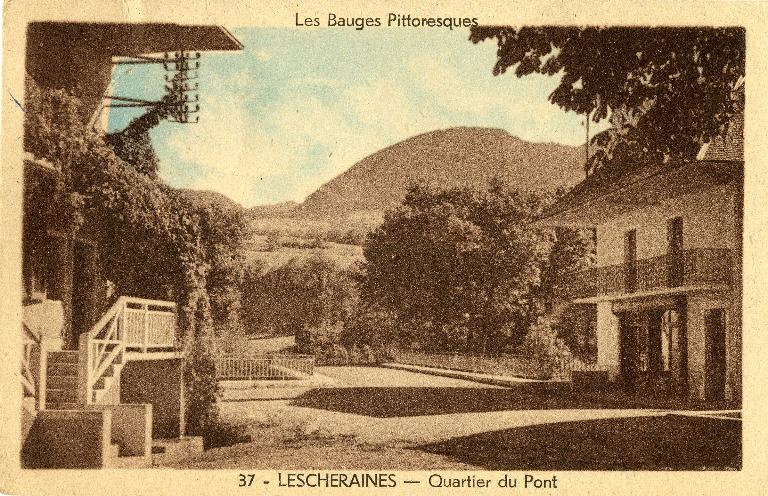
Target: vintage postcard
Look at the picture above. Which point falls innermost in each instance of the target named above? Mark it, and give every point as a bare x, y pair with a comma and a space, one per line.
435, 248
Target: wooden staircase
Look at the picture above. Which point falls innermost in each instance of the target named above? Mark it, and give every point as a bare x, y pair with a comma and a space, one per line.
75, 384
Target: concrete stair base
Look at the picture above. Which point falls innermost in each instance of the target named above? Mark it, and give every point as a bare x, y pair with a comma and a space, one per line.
118, 460
166, 451
130, 462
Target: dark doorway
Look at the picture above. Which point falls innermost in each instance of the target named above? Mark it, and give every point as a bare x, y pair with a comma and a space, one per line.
714, 385
83, 290
628, 349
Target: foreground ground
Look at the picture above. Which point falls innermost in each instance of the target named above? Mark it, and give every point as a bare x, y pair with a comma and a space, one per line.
381, 418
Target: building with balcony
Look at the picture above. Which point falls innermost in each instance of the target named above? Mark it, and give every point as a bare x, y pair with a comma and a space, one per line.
667, 276
102, 375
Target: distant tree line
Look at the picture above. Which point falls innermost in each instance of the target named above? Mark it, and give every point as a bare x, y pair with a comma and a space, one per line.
449, 270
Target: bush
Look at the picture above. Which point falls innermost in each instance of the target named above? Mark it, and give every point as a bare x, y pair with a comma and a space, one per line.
543, 345
577, 327
202, 390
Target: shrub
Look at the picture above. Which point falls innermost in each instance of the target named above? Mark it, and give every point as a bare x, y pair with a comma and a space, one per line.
201, 391
543, 345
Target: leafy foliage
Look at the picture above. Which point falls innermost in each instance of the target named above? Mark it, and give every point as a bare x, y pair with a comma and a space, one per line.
460, 269
543, 344
153, 242
665, 90
297, 297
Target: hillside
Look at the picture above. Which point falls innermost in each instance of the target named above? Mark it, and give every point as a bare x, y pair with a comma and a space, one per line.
444, 158
281, 209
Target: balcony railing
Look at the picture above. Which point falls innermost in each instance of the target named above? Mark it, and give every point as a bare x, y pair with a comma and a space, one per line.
696, 267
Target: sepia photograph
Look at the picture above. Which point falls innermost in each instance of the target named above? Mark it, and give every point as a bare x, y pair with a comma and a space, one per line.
350, 246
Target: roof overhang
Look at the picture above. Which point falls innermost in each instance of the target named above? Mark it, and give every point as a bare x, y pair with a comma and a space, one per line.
124, 39
590, 205
657, 293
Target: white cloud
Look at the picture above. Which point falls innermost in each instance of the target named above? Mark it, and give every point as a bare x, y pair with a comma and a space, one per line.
385, 109
235, 151
453, 91
319, 126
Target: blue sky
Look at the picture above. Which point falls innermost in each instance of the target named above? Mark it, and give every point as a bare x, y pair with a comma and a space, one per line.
299, 105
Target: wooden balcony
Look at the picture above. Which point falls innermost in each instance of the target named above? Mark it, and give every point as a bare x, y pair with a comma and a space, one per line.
688, 269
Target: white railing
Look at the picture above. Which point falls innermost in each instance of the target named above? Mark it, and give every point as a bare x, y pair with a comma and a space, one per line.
149, 324
274, 367
131, 323
564, 368
29, 381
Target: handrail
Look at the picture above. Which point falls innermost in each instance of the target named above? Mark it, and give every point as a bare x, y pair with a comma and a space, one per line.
28, 379
129, 323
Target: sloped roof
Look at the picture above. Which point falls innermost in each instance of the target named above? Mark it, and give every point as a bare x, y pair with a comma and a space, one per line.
729, 147
612, 181
601, 197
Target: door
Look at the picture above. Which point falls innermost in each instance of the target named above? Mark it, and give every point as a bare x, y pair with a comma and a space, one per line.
628, 349
714, 385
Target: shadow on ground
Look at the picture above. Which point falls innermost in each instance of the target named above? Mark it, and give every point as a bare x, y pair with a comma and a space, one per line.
670, 442
415, 401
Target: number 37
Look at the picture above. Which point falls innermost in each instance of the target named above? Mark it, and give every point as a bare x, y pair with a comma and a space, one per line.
245, 480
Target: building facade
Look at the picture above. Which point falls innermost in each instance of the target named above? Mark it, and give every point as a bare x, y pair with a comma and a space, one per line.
102, 374
667, 278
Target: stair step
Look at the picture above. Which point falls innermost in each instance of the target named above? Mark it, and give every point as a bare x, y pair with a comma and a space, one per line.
62, 382
63, 356
60, 396
62, 369
130, 462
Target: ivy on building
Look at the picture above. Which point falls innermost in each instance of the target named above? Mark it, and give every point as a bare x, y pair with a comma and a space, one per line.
153, 241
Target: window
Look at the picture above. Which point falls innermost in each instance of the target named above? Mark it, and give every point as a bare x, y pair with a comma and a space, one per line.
675, 251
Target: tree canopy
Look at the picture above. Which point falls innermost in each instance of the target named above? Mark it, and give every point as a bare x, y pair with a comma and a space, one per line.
666, 90
459, 267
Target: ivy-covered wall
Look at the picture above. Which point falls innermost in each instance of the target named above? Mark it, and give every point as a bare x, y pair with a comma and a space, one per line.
152, 240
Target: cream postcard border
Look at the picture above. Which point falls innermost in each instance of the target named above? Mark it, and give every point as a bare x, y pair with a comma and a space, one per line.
752, 479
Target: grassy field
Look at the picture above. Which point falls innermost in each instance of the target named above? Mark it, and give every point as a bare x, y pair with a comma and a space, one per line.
276, 240
258, 249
